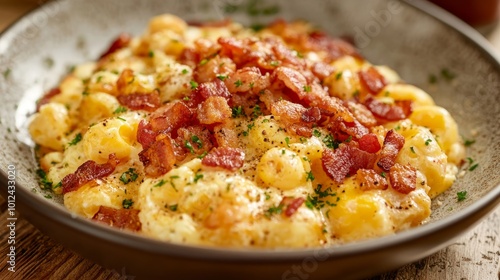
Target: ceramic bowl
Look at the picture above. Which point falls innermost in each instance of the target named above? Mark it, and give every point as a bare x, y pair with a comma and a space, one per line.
414, 38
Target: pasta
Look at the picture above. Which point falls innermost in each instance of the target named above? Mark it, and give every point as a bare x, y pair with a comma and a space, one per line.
216, 134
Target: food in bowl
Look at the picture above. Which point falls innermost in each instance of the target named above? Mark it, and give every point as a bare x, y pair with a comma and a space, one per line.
216, 134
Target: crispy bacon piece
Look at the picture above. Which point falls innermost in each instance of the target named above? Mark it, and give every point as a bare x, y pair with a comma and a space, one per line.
226, 136
372, 80
288, 112
210, 68
403, 178
159, 157
247, 79
121, 42
88, 172
293, 79
46, 98
345, 160
176, 116
369, 143
214, 110
215, 88
145, 134
322, 70
354, 129
234, 49
399, 111
334, 48
368, 179
228, 158
311, 115
291, 205
393, 143
119, 218
189, 57
330, 106
362, 114
146, 102
195, 139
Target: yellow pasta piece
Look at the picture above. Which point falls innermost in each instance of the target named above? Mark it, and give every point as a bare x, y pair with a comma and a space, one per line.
50, 125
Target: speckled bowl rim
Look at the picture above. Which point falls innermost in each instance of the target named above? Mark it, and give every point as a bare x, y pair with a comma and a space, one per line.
136, 242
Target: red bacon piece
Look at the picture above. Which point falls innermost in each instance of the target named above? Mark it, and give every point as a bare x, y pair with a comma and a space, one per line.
322, 70
159, 157
288, 112
195, 139
177, 116
214, 110
311, 115
335, 48
362, 114
145, 134
399, 111
121, 42
291, 205
211, 68
393, 143
46, 98
215, 88
345, 160
354, 129
368, 179
293, 79
372, 80
369, 143
88, 172
119, 218
228, 158
403, 178
146, 102
247, 79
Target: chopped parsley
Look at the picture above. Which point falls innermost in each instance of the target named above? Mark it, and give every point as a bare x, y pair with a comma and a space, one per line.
468, 142
172, 178
202, 155
318, 201
151, 54
461, 196
473, 167
129, 176
194, 85
274, 210
330, 142
275, 63
257, 27
159, 184
188, 145
338, 76
173, 207
186, 98
307, 88
127, 203
75, 140
310, 176
317, 133
432, 79
428, 141
122, 119
412, 149
287, 141
383, 174
355, 93
447, 74
203, 61
6, 73
222, 77
184, 71
197, 141
238, 83
46, 183
256, 111
237, 112
197, 177
120, 110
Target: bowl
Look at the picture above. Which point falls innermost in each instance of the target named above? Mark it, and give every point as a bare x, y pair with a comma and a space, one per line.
418, 40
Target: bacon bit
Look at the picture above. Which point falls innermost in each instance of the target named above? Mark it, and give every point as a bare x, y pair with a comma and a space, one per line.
212, 68
233, 49
189, 57
214, 110
393, 143
215, 88
335, 48
322, 70
228, 158
334, 107
145, 134
226, 136
46, 98
291, 204
247, 79
399, 111
301, 130
368, 179
146, 102
354, 129
288, 112
292, 79
159, 157
369, 143
219, 23
119, 218
345, 160
126, 77
403, 178
88, 172
177, 116
311, 115
121, 42
362, 114
198, 136
372, 80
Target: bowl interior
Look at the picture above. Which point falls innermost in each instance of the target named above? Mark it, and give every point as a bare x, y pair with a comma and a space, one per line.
37, 51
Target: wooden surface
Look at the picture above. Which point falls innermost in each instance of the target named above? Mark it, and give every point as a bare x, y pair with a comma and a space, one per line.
474, 256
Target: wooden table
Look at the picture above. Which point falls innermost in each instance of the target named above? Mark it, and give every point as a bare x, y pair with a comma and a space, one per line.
474, 256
